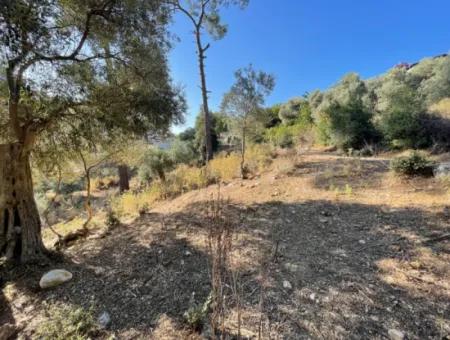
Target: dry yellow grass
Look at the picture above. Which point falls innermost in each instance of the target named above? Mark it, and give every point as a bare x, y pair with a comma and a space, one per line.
64, 228
186, 178
225, 167
442, 108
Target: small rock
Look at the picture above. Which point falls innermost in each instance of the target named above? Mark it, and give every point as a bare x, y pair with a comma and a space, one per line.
99, 270
104, 320
54, 278
442, 169
7, 331
323, 220
287, 284
312, 296
187, 253
291, 267
362, 242
395, 334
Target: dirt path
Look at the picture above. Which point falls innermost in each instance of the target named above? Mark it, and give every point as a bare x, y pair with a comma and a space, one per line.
337, 248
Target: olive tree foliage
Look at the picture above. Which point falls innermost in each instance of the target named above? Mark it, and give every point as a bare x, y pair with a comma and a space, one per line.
399, 108
244, 102
54, 60
437, 86
219, 125
342, 118
205, 18
155, 164
290, 112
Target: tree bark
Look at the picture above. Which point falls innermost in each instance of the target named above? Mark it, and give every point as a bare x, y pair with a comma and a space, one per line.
20, 225
243, 174
124, 182
201, 63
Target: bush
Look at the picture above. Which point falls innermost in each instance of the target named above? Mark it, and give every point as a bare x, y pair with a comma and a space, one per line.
347, 125
182, 152
67, 323
290, 112
415, 164
111, 219
105, 183
258, 157
285, 136
185, 178
225, 167
402, 130
196, 315
155, 163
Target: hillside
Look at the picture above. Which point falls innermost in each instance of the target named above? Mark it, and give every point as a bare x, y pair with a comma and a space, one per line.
324, 246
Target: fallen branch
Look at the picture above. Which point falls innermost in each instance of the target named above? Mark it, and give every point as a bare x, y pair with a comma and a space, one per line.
436, 239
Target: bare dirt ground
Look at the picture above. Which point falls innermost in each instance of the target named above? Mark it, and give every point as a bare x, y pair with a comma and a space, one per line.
325, 248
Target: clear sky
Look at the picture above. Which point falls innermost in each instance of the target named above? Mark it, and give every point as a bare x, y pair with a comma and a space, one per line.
310, 44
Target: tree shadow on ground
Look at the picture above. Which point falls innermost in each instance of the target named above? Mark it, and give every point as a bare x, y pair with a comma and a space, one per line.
354, 271
6, 315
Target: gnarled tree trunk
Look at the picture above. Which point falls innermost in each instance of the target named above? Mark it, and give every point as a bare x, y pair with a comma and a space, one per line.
20, 225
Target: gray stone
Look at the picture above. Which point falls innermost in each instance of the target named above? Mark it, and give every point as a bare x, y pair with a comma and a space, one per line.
442, 169
287, 284
395, 334
54, 278
104, 320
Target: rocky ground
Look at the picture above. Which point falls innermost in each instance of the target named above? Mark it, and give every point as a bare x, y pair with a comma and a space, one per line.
324, 247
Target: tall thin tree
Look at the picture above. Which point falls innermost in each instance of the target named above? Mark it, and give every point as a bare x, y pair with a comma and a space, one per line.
244, 102
204, 15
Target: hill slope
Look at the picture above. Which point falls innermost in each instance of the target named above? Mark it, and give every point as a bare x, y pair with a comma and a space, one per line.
324, 247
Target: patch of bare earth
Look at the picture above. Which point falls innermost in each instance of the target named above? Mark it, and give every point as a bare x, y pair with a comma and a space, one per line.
325, 248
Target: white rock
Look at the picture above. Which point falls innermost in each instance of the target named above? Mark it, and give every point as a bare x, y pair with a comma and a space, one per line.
442, 169
395, 334
312, 297
287, 284
362, 242
99, 270
54, 278
104, 320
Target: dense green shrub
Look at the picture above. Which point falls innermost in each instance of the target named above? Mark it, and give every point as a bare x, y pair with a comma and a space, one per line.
289, 113
111, 219
155, 163
67, 323
402, 129
284, 136
269, 117
416, 164
350, 125
183, 152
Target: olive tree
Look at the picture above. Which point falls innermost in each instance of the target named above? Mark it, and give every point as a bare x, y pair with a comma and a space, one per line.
245, 101
55, 65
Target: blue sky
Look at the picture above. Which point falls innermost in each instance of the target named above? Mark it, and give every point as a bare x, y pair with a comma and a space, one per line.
310, 44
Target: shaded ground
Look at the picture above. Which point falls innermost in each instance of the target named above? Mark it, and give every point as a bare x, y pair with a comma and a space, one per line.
358, 263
